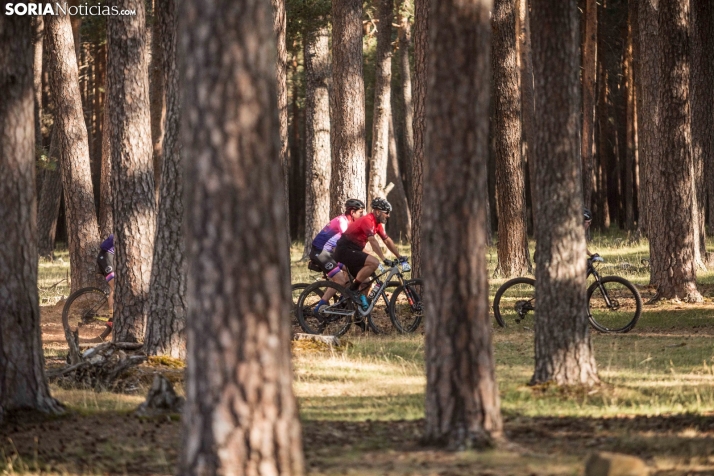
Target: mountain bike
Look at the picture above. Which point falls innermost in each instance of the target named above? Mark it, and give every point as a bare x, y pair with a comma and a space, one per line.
87, 313
614, 303
403, 310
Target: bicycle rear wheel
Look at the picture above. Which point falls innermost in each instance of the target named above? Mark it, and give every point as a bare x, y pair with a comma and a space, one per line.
406, 308
87, 312
334, 318
514, 301
296, 290
614, 305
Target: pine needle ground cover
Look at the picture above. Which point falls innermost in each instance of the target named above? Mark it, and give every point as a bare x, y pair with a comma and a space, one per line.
362, 404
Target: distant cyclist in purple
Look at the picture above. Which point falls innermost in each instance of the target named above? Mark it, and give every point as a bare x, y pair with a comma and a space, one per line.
105, 262
324, 244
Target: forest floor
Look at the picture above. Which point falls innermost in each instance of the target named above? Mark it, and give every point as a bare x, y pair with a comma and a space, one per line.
362, 405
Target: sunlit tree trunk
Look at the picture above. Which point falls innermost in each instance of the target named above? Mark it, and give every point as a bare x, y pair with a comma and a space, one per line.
563, 350
589, 69
22, 364
462, 404
132, 169
73, 148
241, 415
405, 40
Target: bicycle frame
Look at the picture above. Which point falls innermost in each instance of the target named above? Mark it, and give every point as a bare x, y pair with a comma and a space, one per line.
394, 270
593, 272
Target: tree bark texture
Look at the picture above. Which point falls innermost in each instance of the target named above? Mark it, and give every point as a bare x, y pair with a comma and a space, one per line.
347, 120
400, 220
510, 177
73, 149
702, 97
241, 415
48, 210
563, 350
318, 166
405, 40
165, 329
589, 73
106, 207
421, 54
157, 95
281, 74
629, 183
672, 246
646, 59
382, 102
38, 33
132, 169
527, 100
462, 404
22, 375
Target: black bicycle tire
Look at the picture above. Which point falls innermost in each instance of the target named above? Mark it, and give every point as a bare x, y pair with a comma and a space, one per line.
301, 300
638, 301
294, 299
68, 305
393, 303
370, 318
499, 293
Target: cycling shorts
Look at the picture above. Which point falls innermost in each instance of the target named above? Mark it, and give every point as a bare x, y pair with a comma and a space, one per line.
105, 263
351, 254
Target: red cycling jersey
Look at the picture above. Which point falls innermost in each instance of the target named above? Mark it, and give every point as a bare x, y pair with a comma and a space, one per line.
360, 230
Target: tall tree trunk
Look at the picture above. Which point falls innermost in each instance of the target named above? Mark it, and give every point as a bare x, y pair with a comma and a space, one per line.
527, 100
702, 100
22, 375
646, 59
400, 220
48, 210
239, 369
38, 33
421, 55
671, 247
106, 208
462, 404
405, 39
563, 350
73, 149
132, 168
589, 84
347, 119
157, 96
510, 177
281, 74
382, 102
631, 136
317, 133
165, 329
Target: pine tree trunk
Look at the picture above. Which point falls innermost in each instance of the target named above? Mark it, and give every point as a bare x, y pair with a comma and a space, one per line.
281, 74
73, 149
702, 99
510, 178
382, 102
421, 55
647, 93
38, 33
589, 84
48, 210
462, 404
106, 208
132, 169
157, 96
22, 378
527, 100
165, 329
563, 350
347, 134
400, 220
631, 136
317, 133
405, 39
671, 247
239, 369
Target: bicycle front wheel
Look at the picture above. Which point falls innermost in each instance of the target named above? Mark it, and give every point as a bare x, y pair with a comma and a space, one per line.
514, 301
333, 318
87, 312
406, 308
614, 304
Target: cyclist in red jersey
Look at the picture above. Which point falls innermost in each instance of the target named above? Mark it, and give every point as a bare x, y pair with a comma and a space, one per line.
350, 247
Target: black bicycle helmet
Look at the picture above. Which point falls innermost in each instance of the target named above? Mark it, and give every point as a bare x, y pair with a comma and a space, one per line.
587, 214
353, 204
381, 204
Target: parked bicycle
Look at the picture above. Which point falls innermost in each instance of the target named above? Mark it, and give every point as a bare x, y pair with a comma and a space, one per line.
614, 303
403, 310
87, 313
